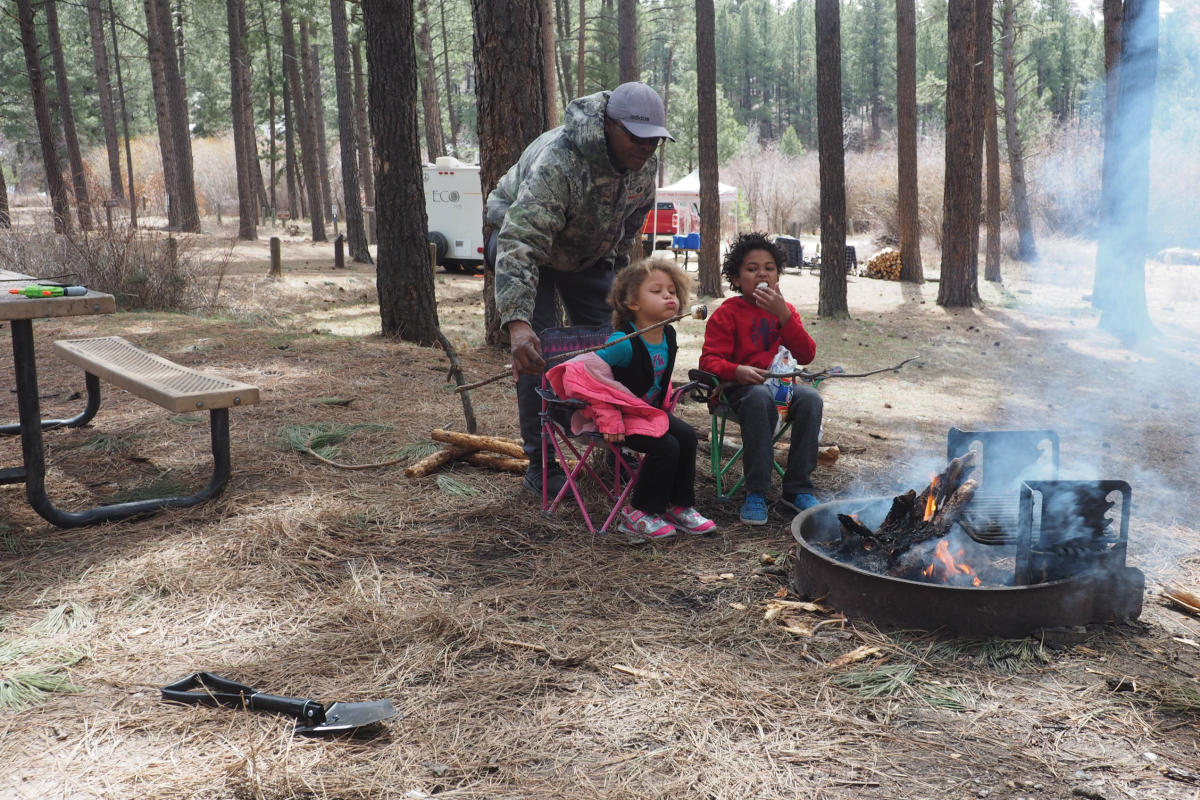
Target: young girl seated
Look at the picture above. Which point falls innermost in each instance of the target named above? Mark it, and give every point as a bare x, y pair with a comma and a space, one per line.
740, 342
643, 294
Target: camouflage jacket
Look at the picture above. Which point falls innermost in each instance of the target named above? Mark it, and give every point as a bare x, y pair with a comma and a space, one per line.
564, 205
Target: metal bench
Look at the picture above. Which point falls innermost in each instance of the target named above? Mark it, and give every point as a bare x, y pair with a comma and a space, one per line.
174, 387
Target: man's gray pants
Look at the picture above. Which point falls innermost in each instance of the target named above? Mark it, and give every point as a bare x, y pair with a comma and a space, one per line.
585, 298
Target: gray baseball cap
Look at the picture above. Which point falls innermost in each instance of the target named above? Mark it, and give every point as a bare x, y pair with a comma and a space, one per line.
639, 108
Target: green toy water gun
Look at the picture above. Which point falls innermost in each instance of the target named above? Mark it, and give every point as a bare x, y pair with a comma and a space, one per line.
38, 290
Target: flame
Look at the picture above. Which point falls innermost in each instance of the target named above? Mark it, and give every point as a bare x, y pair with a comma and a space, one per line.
930, 503
944, 566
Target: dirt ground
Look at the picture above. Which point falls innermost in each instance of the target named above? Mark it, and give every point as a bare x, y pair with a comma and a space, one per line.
529, 659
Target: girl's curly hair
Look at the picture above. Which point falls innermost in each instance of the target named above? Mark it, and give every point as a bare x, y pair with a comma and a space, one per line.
743, 244
629, 280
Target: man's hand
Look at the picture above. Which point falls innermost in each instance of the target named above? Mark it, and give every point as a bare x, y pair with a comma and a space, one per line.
748, 375
526, 349
771, 301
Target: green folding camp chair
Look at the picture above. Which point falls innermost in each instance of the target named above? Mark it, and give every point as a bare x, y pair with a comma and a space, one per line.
711, 391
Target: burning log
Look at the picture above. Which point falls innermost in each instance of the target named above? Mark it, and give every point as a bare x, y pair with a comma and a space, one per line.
913, 518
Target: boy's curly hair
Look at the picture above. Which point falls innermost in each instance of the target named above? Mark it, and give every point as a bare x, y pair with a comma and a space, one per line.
629, 280
743, 244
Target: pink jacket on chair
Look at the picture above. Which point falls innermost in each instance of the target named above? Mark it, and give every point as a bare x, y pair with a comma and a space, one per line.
612, 408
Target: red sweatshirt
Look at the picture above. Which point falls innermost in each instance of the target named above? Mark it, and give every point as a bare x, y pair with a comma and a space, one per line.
739, 332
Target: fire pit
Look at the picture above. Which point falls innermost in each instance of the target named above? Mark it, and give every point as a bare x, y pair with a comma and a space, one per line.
1022, 554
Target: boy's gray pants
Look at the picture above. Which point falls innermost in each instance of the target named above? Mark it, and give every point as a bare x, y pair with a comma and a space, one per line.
757, 416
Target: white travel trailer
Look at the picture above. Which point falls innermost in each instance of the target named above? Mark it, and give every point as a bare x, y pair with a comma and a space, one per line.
454, 205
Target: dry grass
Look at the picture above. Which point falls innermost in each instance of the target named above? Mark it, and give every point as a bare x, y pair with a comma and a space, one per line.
530, 660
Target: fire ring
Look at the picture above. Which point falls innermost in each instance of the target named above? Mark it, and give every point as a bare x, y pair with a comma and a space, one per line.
1103, 592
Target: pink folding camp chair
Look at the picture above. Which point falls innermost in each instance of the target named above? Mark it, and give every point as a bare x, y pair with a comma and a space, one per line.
616, 476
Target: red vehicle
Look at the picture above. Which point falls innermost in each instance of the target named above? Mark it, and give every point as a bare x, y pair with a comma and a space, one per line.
662, 221
661, 224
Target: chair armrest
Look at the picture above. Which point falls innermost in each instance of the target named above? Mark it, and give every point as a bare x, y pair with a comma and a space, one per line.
552, 399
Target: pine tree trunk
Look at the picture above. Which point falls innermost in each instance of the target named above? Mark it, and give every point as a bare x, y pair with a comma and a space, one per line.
41, 112
435, 143
706, 135
511, 114
909, 209
290, 123
666, 97
166, 140
1125, 190
562, 19
627, 42
308, 138
356, 234
366, 164
258, 188
5, 219
1113, 11
991, 269
108, 119
1026, 246
184, 203
272, 145
959, 227
581, 49
983, 46
407, 307
832, 159
83, 203
450, 111
133, 198
549, 85
314, 99
241, 147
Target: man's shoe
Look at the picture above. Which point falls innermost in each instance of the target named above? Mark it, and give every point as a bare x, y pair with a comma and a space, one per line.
754, 509
689, 520
643, 527
555, 479
800, 502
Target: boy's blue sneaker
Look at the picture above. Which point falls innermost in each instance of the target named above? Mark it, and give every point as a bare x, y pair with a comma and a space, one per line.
754, 509
800, 502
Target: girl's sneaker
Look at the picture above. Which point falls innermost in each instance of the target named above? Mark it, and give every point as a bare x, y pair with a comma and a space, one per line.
689, 520
643, 527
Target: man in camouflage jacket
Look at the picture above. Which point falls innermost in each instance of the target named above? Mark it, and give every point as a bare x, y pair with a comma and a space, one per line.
567, 215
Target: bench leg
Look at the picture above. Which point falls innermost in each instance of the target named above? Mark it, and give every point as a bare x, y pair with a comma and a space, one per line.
92, 383
35, 485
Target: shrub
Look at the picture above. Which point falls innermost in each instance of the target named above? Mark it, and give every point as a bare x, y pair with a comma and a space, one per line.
142, 270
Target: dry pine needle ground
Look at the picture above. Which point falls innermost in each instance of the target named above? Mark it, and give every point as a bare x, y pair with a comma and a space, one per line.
529, 659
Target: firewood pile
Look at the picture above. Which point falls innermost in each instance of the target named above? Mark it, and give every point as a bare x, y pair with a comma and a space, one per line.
884, 265
492, 452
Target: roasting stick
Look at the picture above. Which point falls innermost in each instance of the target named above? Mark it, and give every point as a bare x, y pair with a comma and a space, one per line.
696, 312
832, 372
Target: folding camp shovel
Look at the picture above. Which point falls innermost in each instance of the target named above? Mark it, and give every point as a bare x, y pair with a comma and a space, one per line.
312, 718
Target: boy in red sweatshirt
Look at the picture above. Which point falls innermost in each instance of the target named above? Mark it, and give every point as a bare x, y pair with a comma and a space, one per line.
740, 341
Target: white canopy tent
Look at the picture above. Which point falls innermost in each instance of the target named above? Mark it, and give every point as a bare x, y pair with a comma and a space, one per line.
685, 194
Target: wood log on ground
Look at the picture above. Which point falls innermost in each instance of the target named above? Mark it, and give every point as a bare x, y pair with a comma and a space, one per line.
493, 444
497, 461
435, 461
826, 455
